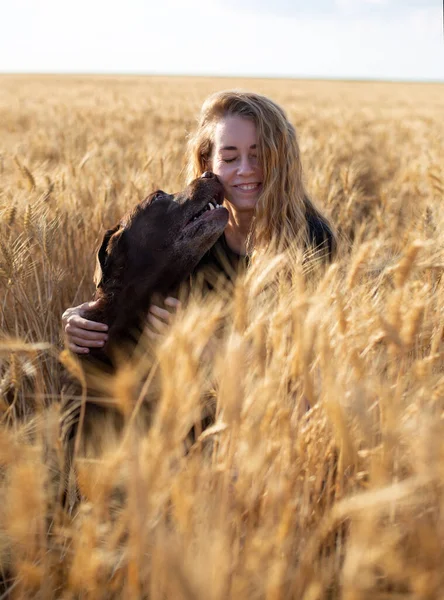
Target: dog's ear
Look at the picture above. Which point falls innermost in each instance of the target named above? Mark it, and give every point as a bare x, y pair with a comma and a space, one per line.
109, 241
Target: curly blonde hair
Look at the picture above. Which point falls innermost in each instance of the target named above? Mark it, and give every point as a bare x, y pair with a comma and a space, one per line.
283, 211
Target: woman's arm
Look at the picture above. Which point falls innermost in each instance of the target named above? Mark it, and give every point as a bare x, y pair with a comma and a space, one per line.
82, 334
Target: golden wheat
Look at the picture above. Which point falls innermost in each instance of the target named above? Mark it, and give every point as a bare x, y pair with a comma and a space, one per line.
322, 475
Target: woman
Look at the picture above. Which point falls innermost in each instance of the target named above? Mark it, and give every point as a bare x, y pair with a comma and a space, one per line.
248, 142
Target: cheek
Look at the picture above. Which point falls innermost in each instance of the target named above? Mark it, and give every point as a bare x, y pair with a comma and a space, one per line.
215, 167
222, 172
258, 169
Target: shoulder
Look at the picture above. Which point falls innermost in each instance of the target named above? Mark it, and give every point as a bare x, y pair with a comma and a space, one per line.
321, 235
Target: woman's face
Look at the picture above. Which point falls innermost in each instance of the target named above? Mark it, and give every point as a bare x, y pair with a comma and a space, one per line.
235, 161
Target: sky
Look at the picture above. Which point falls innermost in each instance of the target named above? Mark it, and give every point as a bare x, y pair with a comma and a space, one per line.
345, 39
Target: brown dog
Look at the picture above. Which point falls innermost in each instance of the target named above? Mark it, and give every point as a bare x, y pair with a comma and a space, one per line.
150, 251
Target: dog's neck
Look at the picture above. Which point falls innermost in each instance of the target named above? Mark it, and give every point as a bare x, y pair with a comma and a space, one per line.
120, 309
121, 316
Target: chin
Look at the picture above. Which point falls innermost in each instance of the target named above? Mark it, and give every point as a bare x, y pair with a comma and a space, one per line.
243, 204
251, 205
243, 208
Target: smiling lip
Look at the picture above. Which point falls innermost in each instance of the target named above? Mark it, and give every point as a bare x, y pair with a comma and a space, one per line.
247, 187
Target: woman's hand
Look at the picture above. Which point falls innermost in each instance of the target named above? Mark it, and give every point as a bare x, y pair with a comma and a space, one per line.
160, 318
82, 334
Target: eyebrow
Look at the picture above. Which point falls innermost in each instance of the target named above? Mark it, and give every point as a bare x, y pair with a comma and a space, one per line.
253, 147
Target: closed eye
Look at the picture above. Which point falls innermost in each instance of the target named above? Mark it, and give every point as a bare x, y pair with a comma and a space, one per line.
230, 160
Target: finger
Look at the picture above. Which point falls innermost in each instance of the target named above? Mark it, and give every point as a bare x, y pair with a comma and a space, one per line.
78, 310
86, 343
78, 349
153, 336
157, 324
66, 314
161, 313
88, 305
73, 331
173, 302
82, 323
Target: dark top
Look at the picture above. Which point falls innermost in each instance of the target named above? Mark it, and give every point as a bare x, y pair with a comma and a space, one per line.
222, 264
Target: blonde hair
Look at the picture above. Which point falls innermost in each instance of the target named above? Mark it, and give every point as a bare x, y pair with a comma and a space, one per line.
282, 212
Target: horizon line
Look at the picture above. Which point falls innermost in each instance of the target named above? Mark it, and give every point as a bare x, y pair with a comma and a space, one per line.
358, 79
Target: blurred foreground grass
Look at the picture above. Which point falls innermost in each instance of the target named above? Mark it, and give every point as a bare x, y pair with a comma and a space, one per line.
345, 500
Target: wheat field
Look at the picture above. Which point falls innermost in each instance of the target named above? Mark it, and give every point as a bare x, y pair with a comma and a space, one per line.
344, 500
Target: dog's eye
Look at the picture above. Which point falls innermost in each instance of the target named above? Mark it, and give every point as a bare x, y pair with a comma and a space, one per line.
157, 196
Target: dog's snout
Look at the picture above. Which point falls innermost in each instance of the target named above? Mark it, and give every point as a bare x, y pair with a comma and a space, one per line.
208, 175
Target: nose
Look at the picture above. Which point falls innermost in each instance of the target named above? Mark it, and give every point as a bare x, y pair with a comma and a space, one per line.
245, 167
207, 175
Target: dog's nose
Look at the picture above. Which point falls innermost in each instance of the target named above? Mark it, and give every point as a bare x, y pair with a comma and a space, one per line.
207, 175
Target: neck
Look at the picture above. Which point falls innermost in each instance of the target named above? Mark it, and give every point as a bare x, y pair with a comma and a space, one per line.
238, 228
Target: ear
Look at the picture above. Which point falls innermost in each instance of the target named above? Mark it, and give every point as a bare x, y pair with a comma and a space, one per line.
103, 253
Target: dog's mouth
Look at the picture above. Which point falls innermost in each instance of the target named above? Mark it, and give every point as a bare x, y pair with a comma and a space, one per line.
210, 210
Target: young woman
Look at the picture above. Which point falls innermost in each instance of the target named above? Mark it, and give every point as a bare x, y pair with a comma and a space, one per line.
248, 142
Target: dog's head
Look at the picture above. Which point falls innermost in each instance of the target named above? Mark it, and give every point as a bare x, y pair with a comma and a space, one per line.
160, 242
